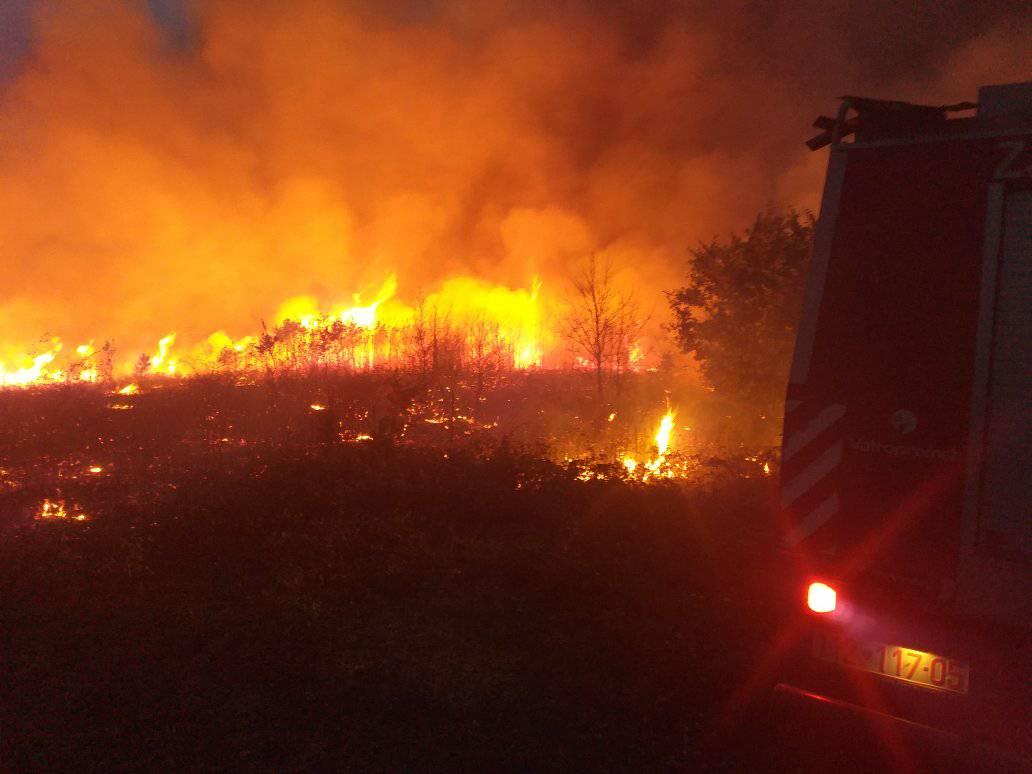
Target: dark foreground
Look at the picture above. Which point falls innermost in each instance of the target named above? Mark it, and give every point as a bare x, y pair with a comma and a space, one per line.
380, 608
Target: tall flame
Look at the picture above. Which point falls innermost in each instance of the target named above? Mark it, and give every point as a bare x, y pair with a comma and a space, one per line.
664, 433
161, 363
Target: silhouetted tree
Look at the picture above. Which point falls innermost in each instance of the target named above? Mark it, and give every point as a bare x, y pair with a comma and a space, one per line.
106, 362
603, 321
142, 366
738, 311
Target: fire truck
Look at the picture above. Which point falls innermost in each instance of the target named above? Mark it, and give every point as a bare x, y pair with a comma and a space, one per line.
906, 485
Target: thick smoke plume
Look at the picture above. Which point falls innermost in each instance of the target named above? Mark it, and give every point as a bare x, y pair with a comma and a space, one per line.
190, 173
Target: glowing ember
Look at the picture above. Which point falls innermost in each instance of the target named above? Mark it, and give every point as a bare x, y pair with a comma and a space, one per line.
58, 510
317, 407
52, 510
95, 469
611, 417
130, 389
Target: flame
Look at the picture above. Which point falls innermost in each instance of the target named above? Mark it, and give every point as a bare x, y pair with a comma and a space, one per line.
52, 510
656, 466
35, 373
664, 433
317, 407
95, 469
57, 510
160, 363
130, 389
476, 318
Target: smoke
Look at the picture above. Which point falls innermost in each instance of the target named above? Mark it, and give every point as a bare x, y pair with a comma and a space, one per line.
190, 174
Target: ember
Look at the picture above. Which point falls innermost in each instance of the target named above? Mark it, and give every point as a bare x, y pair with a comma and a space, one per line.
59, 510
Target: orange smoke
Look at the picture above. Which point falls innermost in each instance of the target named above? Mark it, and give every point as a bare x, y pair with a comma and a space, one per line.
311, 149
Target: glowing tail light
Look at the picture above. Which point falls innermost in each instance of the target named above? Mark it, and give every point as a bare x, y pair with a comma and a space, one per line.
821, 598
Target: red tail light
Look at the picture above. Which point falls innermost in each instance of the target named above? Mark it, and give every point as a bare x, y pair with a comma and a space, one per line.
821, 598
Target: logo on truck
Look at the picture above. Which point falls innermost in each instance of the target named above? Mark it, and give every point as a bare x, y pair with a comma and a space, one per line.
904, 421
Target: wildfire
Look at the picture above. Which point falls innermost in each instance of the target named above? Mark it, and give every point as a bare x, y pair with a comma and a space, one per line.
469, 322
161, 363
666, 428
36, 373
58, 510
658, 465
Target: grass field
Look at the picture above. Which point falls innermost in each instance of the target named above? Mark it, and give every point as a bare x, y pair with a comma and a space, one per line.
374, 606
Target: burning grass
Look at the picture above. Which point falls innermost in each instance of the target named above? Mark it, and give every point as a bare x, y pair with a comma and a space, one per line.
465, 322
371, 608
369, 571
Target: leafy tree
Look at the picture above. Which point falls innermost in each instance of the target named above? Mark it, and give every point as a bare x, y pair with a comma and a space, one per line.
737, 313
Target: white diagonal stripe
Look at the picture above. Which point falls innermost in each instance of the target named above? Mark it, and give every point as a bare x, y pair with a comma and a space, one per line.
817, 470
829, 416
814, 520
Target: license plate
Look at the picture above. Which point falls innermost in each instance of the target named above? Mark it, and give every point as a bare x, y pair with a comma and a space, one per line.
907, 664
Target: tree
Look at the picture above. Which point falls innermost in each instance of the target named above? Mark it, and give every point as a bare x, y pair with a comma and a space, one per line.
738, 312
603, 321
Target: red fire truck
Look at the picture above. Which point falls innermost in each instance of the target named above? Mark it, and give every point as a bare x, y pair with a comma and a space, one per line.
906, 491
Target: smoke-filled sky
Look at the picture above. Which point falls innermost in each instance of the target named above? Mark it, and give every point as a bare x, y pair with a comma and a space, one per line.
186, 166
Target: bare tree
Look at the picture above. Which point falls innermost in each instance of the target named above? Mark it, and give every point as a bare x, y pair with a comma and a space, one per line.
603, 321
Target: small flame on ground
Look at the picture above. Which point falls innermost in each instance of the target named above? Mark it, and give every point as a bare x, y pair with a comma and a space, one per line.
657, 465
95, 469
317, 407
130, 389
57, 510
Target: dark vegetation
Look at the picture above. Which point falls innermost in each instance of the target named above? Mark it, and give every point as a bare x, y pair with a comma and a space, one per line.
307, 600
739, 310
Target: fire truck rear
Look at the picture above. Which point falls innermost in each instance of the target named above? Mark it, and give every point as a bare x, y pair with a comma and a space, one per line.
906, 489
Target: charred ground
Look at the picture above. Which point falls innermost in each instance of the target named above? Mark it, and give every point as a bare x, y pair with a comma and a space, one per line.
316, 601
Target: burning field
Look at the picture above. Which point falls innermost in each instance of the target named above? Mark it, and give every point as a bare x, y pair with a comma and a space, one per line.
199, 573
366, 567
374, 393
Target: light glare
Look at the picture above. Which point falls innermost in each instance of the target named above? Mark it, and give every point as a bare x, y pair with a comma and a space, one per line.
821, 598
